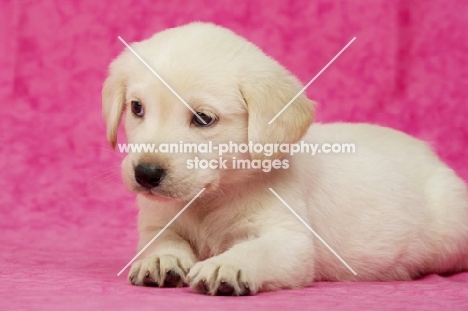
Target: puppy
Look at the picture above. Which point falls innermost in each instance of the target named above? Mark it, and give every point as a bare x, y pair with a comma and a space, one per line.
392, 210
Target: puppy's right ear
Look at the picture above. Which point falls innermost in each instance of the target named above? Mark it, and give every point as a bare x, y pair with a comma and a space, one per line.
113, 102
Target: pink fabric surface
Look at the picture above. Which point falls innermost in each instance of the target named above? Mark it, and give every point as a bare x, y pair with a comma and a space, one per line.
67, 223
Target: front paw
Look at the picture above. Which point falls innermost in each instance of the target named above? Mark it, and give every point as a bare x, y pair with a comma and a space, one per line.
214, 277
160, 271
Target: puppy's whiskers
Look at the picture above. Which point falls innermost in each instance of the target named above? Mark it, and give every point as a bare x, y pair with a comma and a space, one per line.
109, 150
105, 176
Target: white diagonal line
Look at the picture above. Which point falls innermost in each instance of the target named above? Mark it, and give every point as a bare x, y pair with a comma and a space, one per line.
313, 79
311, 230
160, 232
161, 79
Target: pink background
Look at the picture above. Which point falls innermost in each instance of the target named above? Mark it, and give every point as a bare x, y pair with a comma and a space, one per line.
67, 223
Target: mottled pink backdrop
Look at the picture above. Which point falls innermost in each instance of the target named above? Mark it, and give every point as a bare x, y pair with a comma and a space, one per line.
67, 223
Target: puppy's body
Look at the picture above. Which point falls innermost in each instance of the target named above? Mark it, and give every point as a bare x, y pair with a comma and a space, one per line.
391, 210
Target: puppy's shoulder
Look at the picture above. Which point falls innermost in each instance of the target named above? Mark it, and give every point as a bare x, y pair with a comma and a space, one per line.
364, 134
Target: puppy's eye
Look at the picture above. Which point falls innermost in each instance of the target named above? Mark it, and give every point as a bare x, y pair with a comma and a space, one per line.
209, 120
137, 108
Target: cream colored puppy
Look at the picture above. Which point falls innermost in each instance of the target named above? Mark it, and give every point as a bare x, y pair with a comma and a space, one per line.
392, 210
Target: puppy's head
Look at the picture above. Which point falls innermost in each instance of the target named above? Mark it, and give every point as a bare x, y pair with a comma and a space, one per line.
228, 82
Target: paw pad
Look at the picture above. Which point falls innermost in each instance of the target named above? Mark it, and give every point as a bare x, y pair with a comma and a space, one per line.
225, 289
172, 279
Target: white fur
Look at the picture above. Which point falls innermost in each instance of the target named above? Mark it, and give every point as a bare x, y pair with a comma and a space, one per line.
392, 210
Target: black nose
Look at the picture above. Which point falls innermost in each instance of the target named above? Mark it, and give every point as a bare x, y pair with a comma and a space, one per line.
148, 175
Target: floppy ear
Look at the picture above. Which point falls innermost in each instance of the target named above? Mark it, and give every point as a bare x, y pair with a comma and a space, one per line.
113, 101
265, 94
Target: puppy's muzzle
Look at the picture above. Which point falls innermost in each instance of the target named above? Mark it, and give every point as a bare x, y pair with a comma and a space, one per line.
148, 175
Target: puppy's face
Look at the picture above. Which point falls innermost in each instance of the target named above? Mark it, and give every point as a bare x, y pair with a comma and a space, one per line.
227, 81
153, 115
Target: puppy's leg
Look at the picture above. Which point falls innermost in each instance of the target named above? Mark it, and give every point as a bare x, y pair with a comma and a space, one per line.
165, 263
279, 258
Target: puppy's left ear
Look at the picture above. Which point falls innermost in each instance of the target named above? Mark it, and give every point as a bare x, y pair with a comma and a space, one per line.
265, 94
113, 102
